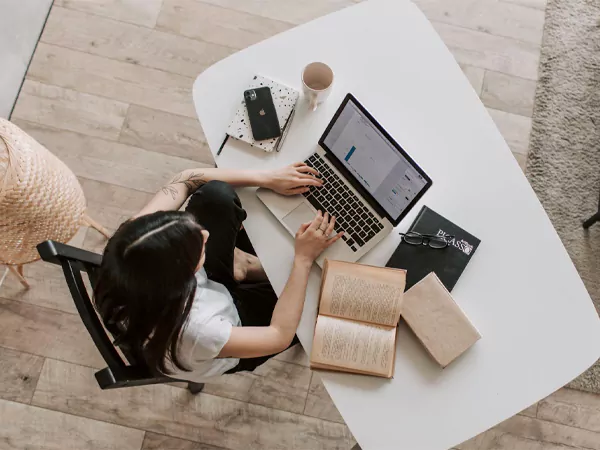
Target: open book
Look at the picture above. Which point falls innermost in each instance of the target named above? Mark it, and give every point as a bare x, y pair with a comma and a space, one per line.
359, 311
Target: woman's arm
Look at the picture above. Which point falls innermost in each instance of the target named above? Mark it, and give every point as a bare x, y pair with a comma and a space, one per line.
288, 180
249, 342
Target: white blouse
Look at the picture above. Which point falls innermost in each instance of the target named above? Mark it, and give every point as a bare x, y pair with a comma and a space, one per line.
212, 316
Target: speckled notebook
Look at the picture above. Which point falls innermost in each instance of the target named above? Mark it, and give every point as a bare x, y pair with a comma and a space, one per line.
284, 99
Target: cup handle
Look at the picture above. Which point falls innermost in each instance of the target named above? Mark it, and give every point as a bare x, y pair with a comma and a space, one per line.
313, 102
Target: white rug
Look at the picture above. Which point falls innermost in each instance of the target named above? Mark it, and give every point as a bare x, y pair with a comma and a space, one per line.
564, 154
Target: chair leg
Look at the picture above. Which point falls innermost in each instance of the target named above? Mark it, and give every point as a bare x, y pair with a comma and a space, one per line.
195, 388
87, 220
592, 220
18, 272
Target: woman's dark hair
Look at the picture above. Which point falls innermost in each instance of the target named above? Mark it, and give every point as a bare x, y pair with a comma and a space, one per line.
146, 284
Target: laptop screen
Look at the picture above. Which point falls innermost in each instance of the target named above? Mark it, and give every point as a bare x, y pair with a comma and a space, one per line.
376, 161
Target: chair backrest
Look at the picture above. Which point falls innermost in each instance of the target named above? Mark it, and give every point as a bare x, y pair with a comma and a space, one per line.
120, 372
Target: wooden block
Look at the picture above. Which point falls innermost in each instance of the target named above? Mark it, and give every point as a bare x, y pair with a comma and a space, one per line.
487, 51
27, 427
437, 321
64, 108
211, 23
319, 403
154, 441
281, 385
130, 43
47, 332
166, 133
173, 411
507, 93
19, 373
292, 11
493, 17
109, 78
514, 128
140, 12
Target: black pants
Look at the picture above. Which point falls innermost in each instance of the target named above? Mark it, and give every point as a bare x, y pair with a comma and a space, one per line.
217, 208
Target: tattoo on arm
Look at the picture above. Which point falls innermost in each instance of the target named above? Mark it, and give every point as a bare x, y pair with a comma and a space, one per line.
192, 182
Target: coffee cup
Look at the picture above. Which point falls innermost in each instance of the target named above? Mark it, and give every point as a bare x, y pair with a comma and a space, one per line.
317, 81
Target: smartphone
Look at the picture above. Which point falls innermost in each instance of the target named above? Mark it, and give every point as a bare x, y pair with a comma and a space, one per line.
262, 113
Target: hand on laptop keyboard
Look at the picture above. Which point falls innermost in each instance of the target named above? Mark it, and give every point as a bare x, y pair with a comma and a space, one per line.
315, 236
334, 197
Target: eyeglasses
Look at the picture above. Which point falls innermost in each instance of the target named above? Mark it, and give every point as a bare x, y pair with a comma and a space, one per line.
432, 240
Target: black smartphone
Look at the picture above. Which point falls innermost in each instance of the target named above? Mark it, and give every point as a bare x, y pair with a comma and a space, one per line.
262, 113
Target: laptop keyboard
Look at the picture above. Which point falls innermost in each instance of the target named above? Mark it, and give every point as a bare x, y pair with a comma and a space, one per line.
351, 216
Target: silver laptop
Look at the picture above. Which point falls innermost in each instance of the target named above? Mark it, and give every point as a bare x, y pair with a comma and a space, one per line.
370, 184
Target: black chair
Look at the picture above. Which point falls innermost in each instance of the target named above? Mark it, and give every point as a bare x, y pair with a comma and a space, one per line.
592, 220
120, 372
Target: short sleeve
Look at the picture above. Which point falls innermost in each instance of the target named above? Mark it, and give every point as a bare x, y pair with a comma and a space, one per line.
204, 341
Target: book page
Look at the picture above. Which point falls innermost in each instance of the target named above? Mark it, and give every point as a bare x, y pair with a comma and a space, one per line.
361, 292
356, 346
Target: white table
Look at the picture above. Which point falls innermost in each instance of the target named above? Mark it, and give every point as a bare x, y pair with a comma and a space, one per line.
539, 327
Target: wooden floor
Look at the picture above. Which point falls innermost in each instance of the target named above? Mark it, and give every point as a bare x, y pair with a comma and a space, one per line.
109, 92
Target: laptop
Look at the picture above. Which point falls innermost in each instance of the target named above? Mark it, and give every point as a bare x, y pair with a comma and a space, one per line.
370, 184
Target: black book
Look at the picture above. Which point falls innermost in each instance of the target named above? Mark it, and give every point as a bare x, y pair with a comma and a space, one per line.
447, 263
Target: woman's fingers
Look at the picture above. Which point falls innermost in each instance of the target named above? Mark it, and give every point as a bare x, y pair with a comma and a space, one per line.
334, 239
316, 223
306, 169
330, 227
298, 164
325, 223
304, 227
308, 180
298, 190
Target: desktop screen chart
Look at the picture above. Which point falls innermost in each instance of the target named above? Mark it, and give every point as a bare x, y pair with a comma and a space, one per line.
374, 161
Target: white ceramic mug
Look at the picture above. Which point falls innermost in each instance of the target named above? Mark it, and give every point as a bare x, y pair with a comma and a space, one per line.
317, 80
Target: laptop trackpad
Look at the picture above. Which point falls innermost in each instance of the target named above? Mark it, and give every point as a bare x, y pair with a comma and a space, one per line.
299, 215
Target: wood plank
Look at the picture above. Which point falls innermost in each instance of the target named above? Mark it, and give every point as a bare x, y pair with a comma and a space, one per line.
537, 4
236, 386
292, 11
295, 355
319, 403
530, 412
475, 76
218, 25
166, 133
46, 332
154, 441
169, 410
130, 43
58, 107
114, 79
584, 414
575, 397
490, 52
499, 440
109, 162
554, 433
281, 385
507, 93
30, 428
493, 17
140, 12
48, 286
19, 373
514, 128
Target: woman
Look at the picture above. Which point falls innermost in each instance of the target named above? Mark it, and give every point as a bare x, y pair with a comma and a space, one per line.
184, 289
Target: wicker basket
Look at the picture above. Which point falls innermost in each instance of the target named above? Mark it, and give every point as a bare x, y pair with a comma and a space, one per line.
40, 198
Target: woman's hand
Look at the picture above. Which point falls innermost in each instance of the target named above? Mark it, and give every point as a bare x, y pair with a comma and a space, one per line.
313, 237
293, 179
